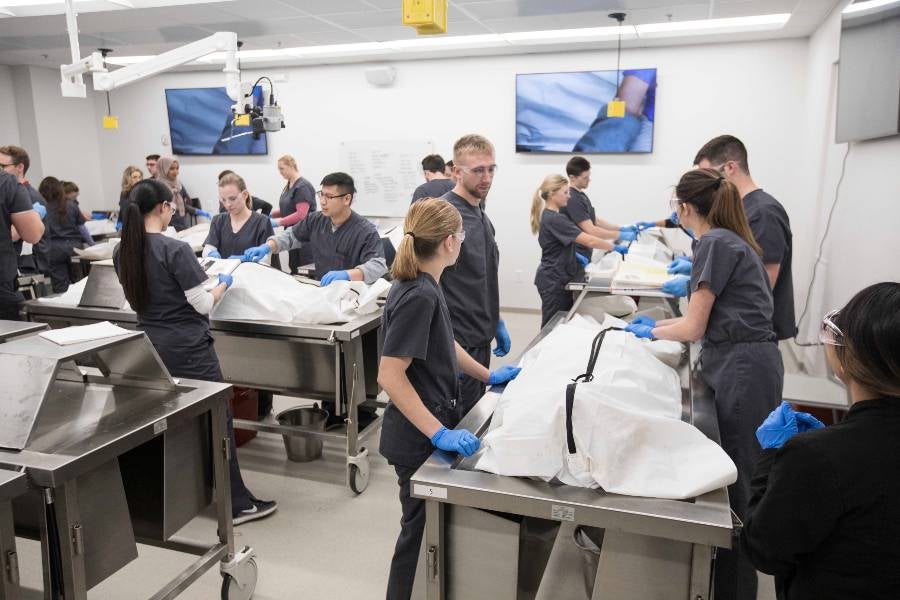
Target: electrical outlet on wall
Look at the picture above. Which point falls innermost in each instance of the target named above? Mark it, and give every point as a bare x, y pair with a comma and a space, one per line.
519, 276
164, 139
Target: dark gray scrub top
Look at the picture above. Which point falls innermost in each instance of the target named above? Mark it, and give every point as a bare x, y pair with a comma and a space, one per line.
254, 232
417, 325
301, 191
772, 230
471, 286
14, 198
352, 244
66, 230
557, 240
172, 269
734, 272
580, 209
433, 189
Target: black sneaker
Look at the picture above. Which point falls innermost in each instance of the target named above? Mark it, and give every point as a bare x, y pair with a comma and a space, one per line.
259, 510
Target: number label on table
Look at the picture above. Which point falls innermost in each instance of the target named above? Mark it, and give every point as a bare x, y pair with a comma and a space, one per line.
562, 513
160, 426
430, 492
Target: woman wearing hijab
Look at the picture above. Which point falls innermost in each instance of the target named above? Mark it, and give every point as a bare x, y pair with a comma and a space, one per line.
167, 172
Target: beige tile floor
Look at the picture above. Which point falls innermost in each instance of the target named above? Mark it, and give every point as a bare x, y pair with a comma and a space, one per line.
324, 542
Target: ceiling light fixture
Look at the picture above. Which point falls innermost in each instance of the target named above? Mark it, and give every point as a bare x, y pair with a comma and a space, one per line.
867, 5
713, 26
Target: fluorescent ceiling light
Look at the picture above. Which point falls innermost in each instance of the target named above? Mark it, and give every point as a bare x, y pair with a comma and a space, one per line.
583, 34
861, 6
709, 26
451, 41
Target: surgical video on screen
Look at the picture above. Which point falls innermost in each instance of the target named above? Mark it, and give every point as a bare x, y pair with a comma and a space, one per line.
567, 112
200, 122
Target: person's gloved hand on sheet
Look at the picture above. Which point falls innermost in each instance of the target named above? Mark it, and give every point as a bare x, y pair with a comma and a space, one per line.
582, 259
332, 276
641, 331
642, 225
643, 320
627, 236
677, 286
456, 440
256, 254
503, 342
623, 250
214, 254
40, 209
782, 424
504, 374
680, 266
226, 279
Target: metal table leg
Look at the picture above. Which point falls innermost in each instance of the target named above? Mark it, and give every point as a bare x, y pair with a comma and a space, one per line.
70, 541
434, 550
701, 572
355, 384
9, 560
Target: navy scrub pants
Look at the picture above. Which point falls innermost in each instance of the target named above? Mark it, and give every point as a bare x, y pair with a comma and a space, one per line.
747, 379
59, 257
412, 528
201, 362
471, 390
554, 300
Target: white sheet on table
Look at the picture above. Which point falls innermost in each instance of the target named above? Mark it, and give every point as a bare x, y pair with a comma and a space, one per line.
261, 293
632, 394
71, 297
83, 333
102, 251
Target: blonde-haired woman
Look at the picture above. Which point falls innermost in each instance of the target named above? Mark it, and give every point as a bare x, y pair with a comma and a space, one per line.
420, 367
238, 227
298, 199
130, 177
557, 235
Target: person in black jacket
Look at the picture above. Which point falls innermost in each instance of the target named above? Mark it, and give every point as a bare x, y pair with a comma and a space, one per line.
824, 515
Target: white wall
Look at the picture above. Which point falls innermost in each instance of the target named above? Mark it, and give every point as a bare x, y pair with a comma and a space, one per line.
9, 123
753, 90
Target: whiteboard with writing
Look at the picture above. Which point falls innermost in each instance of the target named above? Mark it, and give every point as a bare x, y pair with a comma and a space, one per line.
386, 174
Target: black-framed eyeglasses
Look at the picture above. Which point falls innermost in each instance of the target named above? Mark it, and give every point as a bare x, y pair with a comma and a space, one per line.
479, 171
3, 166
320, 194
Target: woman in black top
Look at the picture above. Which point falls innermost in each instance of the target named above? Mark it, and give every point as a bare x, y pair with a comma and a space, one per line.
167, 169
238, 227
164, 285
824, 516
420, 368
61, 232
558, 235
130, 177
298, 200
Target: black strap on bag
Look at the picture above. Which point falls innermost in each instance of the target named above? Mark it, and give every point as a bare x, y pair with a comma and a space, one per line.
588, 375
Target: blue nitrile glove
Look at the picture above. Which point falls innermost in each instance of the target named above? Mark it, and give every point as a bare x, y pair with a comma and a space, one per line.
642, 225
680, 266
779, 427
118, 225
98, 216
332, 276
504, 374
643, 320
237, 256
582, 259
674, 217
204, 214
503, 341
256, 254
623, 250
627, 236
456, 440
807, 422
214, 254
641, 331
274, 222
40, 209
226, 279
677, 286
629, 229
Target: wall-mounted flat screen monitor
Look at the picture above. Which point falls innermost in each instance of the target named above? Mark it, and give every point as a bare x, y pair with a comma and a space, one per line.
200, 122
567, 112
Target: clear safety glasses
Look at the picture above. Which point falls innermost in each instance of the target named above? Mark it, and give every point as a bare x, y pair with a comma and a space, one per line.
460, 236
830, 333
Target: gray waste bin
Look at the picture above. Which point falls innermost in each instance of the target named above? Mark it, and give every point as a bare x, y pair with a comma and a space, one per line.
303, 448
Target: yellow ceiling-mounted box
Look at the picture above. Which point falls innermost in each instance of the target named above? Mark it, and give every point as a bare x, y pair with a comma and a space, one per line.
427, 16
110, 122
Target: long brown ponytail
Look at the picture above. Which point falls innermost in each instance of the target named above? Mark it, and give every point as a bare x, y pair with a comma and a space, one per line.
428, 223
718, 200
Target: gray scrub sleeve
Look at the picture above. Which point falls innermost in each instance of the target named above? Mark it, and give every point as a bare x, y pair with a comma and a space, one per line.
411, 320
375, 265
291, 238
770, 236
714, 262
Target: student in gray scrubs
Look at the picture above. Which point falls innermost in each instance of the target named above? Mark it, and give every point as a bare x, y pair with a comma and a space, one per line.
18, 220
419, 370
163, 283
437, 183
344, 245
239, 227
62, 233
730, 310
471, 287
298, 200
559, 238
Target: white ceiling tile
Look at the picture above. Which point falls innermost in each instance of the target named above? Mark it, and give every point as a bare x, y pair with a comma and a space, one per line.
400, 32
262, 9
337, 36
369, 18
330, 7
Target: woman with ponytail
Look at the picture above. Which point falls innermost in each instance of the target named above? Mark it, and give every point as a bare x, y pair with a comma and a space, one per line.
420, 369
730, 310
558, 236
164, 284
61, 234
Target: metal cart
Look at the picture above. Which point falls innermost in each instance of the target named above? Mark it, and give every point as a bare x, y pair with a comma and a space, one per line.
486, 535
12, 485
115, 451
334, 363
